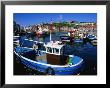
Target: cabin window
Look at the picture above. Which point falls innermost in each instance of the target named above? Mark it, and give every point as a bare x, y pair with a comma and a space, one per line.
55, 50
49, 49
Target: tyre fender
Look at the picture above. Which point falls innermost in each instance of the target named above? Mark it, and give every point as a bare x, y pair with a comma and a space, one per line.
50, 71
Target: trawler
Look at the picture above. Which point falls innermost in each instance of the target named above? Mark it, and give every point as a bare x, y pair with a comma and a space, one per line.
52, 61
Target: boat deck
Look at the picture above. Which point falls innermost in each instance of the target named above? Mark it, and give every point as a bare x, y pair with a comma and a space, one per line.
41, 56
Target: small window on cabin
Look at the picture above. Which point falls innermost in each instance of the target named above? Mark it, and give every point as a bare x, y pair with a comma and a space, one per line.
55, 50
49, 49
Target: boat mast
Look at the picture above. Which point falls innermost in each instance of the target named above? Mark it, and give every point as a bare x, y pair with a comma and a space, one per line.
50, 30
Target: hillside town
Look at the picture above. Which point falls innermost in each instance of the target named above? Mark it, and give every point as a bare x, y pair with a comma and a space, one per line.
44, 28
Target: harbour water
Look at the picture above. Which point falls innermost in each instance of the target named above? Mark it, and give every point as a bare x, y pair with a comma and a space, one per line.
86, 51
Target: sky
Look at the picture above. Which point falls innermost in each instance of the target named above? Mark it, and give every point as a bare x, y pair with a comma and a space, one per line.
26, 19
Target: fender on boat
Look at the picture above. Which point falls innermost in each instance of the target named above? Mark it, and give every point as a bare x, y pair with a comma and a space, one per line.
50, 71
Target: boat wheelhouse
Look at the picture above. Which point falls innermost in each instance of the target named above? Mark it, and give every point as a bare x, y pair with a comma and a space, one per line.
54, 53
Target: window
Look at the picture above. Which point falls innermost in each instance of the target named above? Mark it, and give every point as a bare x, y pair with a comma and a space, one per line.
55, 50
49, 49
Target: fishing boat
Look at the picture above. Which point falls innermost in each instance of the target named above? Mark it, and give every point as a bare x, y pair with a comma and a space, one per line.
39, 33
91, 37
16, 40
71, 39
52, 61
65, 38
78, 40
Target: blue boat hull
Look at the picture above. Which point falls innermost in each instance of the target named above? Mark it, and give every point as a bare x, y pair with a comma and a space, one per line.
51, 69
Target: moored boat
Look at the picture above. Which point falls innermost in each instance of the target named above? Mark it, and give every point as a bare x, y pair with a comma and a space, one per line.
52, 61
91, 37
16, 40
